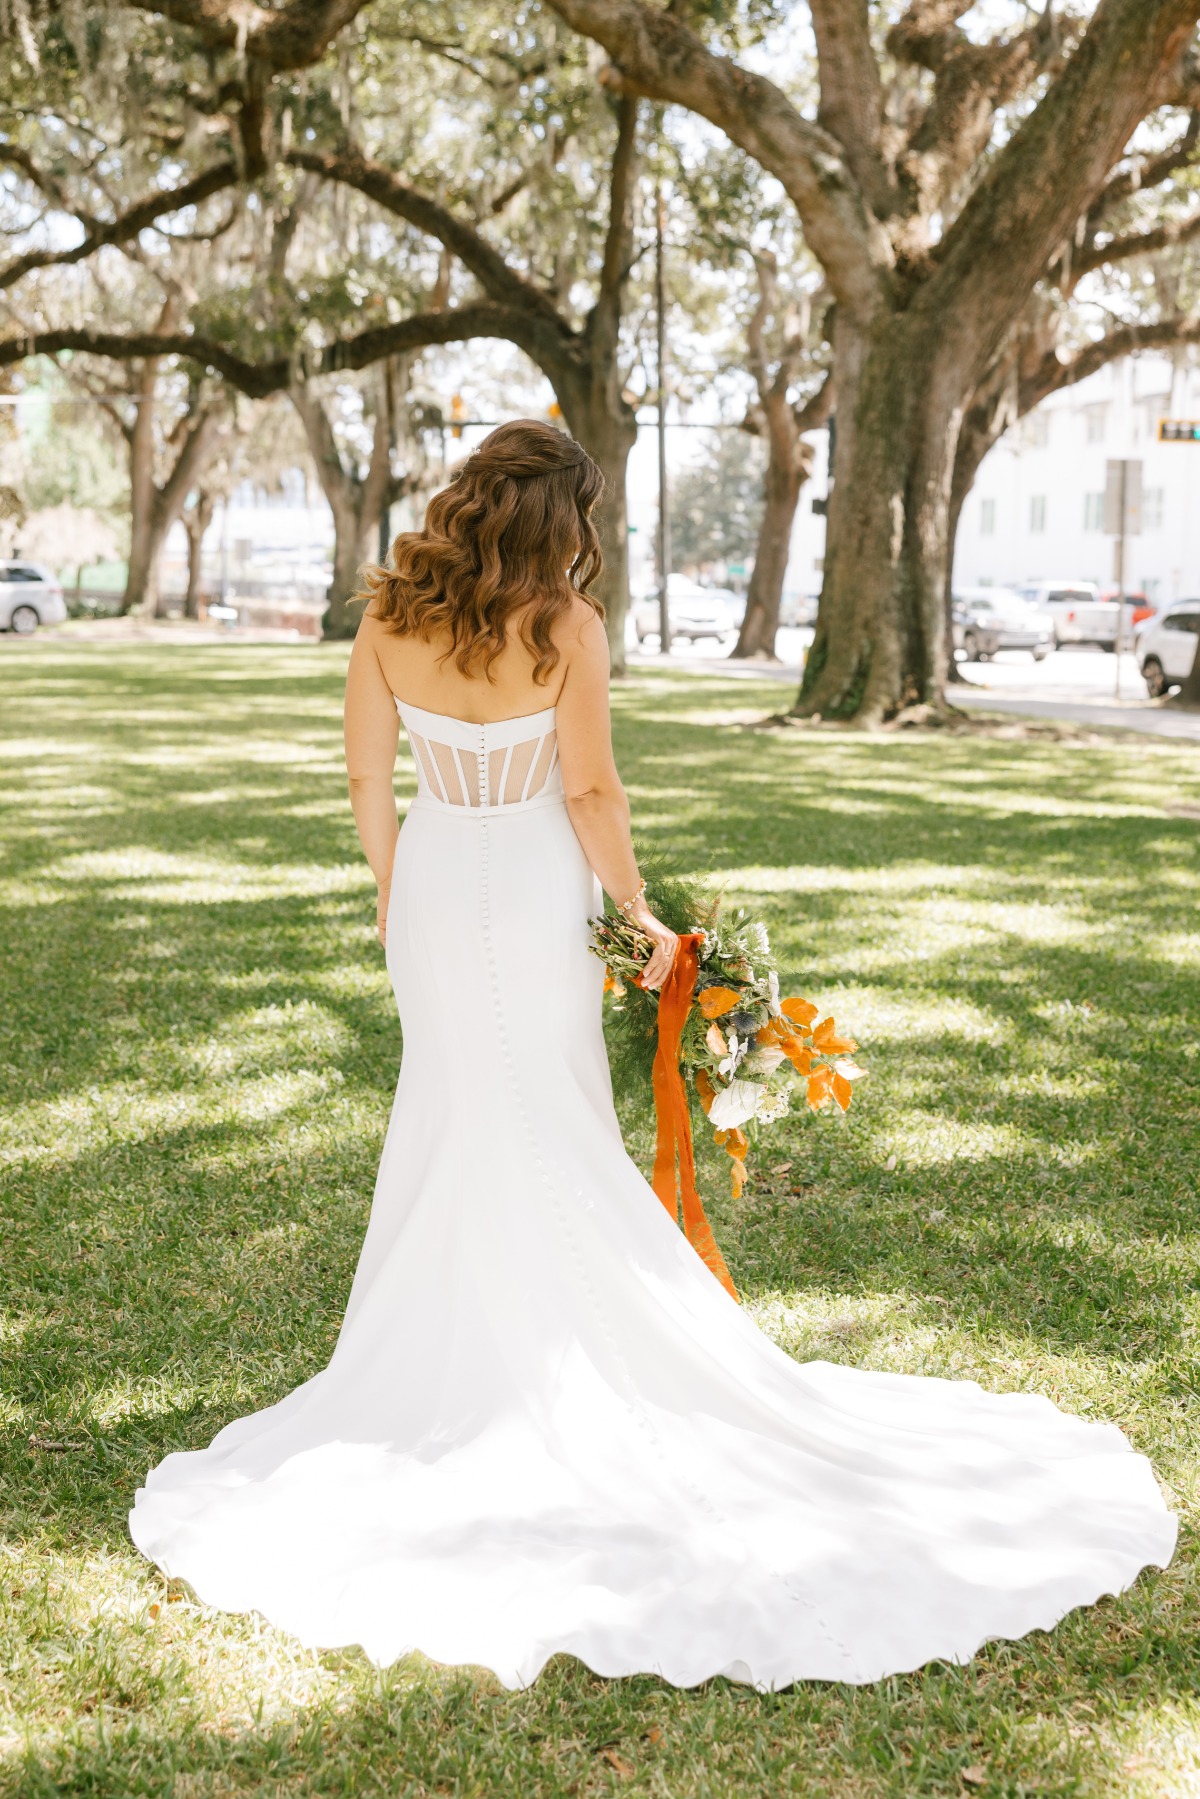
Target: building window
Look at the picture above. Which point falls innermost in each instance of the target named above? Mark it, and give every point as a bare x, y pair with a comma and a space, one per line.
1095, 419
987, 517
1152, 509
1093, 512
1037, 430
1037, 512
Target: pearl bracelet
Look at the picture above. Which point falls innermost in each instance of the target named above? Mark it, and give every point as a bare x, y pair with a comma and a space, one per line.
628, 905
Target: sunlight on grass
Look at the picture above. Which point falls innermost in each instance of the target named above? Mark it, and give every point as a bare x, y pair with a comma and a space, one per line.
198, 1047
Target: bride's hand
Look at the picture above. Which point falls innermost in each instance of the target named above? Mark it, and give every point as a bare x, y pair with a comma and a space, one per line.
664, 944
381, 912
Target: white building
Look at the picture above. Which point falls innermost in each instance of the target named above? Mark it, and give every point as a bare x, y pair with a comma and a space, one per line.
1037, 508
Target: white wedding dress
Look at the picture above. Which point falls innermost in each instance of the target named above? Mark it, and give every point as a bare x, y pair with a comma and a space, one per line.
545, 1426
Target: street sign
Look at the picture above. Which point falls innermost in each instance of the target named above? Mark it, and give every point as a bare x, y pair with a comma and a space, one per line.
1179, 431
1123, 499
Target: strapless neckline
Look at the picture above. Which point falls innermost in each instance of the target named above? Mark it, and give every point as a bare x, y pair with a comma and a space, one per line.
475, 724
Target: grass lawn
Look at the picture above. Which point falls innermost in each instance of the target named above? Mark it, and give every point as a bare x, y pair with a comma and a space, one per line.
198, 1048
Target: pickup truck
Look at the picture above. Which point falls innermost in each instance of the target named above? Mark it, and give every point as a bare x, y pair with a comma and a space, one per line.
1079, 614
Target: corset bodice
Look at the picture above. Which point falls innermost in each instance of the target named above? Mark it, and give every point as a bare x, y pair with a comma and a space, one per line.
497, 767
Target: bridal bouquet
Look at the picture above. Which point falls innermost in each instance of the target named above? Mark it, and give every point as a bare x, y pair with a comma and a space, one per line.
721, 1023
747, 1050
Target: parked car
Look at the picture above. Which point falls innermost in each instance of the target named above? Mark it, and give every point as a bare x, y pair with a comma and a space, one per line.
798, 609
694, 611
1137, 608
1079, 613
987, 619
1166, 646
30, 595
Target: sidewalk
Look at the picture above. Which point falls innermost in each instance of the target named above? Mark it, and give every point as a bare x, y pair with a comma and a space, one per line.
1077, 685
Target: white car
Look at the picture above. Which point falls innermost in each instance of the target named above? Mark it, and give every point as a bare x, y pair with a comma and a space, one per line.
1079, 614
693, 611
30, 595
987, 619
1166, 646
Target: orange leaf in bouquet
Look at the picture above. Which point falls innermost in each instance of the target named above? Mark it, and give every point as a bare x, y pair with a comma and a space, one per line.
715, 1039
714, 1002
820, 1085
844, 1075
827, 1042
799, 1011
705, 1089
798, 1054
735, 1143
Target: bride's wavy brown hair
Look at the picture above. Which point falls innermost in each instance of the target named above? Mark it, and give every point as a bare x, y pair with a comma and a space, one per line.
511, 533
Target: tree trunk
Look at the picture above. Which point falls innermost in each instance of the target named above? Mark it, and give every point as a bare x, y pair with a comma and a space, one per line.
140, 574
356, 504
607, 429
1189, 693
196, 520
788, 463
880, 641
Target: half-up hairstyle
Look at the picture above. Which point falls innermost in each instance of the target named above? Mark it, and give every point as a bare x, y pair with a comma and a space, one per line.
512, 532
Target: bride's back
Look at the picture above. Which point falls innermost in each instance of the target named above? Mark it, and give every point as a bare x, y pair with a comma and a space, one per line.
476, 613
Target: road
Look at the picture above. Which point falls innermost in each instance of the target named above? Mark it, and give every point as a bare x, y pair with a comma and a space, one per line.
1076, 683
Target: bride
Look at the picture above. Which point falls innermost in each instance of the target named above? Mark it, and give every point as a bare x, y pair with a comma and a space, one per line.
545, 1427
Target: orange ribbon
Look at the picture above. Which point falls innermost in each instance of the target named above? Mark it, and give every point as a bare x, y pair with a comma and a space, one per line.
674, 1140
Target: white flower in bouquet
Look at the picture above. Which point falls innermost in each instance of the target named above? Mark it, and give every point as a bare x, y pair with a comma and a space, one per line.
773, 993
772, 1106
737, 1050
765, 1061
734, 1104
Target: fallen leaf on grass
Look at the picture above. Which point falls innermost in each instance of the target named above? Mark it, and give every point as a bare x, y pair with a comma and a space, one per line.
976, 1775
617, 1763
654, 1735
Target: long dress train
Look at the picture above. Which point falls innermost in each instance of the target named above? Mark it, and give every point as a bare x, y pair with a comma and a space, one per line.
545, 1427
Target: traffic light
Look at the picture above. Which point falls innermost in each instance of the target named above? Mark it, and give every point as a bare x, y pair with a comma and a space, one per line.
1179, 431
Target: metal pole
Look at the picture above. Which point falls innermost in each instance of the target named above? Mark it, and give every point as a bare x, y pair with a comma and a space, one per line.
664, 516
1120, 579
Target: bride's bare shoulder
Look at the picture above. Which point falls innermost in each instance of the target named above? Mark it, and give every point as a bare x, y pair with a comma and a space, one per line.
579, 631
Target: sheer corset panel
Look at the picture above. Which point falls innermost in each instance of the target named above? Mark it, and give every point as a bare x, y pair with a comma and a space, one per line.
486, 768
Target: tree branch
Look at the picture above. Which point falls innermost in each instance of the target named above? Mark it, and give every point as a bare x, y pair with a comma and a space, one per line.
815, 411
501, 283
851, 105
1054, 372
193, 454
605, 320
293, 36
128, 224
1051, 167
1137, 243
259, 379
653, 53
1149, 172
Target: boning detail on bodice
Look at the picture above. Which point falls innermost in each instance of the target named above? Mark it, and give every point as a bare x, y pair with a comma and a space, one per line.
500, 767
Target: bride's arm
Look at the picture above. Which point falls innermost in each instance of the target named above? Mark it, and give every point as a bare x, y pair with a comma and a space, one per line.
596, 801
372, 734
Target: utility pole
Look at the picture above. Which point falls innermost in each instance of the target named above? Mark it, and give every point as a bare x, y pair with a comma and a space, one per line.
664, 515
1122, 519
